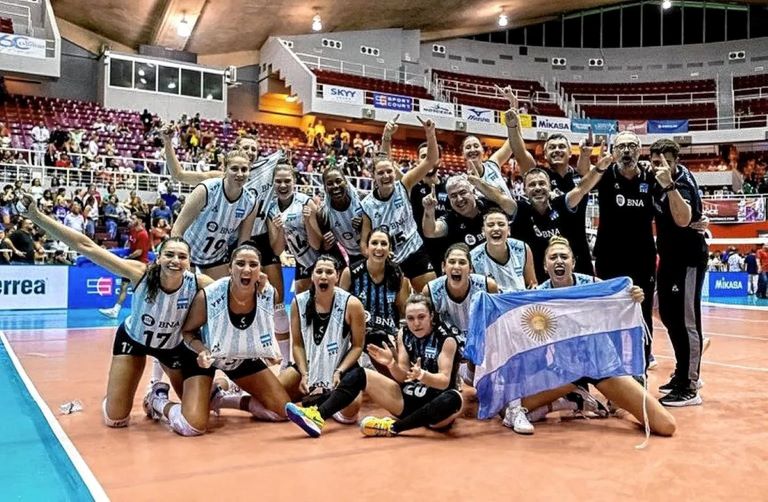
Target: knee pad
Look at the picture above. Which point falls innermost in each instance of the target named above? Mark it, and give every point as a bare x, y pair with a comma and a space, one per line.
179, 424
353, 381
282, 324
451, 399
116, 424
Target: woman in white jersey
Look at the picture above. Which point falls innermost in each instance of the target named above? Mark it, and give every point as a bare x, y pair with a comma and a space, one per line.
236, 317
217, 211
489, 170
163, 292
623, 391
328, 331
389, 205
293, 225
507, 261
423, 361
341, 215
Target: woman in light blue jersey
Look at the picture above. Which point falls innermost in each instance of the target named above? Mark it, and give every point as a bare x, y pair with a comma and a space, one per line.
341, 216
389, 205
236, 317
163, 292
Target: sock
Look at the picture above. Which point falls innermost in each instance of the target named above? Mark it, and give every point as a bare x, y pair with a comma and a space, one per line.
351, 385
434, 412
285, 352
538, 414
157, 371
259, 411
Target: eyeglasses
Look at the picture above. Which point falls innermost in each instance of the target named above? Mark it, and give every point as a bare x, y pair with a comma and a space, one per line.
627, 146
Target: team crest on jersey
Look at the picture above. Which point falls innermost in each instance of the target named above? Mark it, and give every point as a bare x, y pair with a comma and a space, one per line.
470, 239
643, 187
212, 226
148, 320
620, 200
266, 340
333, 348
239, 212
182, 303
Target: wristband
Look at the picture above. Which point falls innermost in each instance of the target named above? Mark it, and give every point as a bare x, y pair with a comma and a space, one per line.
669, 188
601, 171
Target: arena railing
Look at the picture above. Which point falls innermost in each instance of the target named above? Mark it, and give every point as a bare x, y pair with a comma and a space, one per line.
671, 98
489, 91
750, 93
400, 76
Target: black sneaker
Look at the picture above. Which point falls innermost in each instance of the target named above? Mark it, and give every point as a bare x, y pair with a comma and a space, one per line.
679, 397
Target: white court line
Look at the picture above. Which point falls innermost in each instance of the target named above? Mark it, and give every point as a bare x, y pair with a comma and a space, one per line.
725, 365
97, 491
114, 328
726, 335
736, 307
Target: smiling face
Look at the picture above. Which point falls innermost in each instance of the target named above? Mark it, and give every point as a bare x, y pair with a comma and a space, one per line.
284, 183
557, 151
250, 146
174, 258
325, 276
559, 263
335, 185
378, 246
496, 228
537, 188
419, 319
384, 175
237, 170
245, 267
472, 148
463, 200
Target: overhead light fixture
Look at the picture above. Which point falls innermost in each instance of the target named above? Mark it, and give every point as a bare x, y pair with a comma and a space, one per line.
317, 23
171, 85
666, 4
503, 20
184, 28
143, 81
141, 73
209, 96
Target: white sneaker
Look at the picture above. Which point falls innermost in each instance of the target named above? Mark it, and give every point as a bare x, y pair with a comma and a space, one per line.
339, 417
111, 313
515, 418
159, 391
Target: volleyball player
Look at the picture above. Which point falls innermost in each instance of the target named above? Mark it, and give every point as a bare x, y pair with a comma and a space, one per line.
389, 204
423, 362
163, 291
328, 333
236, 317
623, 391
380, 285
464, 221
340, 218
217, 210
682, 263
293, 224
507, 261
433, 183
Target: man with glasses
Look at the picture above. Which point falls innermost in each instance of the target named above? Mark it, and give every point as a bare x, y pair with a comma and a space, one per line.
682, 263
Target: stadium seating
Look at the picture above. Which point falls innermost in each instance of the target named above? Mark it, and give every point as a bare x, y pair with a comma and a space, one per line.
370, 84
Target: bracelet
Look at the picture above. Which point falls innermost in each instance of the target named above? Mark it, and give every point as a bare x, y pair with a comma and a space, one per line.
601, 171
669, 188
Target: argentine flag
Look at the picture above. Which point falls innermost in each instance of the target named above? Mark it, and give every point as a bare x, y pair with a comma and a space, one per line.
527, 342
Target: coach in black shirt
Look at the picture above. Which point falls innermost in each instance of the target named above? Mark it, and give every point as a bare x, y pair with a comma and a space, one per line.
435, 247
682, 263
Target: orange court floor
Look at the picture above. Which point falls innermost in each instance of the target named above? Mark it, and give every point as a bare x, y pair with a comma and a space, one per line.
719, 452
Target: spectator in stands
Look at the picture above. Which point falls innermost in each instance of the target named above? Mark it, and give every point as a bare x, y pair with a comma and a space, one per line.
51, 156
178, 205
226, 126
111, 217
60, 136
714, 264
36, 190
762, 258
40, 136
110, 150
5, 137
7, 251
92, 152
7, 205
735, 261
160, 232
75, 219
23, 239
752, 269
146, 120
161, 211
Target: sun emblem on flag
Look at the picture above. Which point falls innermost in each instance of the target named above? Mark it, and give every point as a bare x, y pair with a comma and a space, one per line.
539, 323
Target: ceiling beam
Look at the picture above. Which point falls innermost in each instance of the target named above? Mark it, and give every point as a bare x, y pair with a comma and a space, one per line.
165, 33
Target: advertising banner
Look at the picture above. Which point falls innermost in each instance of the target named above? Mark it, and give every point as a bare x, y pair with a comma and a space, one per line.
734, 210
393, 102
545, 123
635, 126
525, 120
477, 114
436, 108
19, 45
28, 287
667, 126
598, 126
728, 283
92, 287
343, 95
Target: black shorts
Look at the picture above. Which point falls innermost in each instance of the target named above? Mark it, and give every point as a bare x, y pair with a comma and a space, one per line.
221, 261
417, 264
416, 395
376, 336
302, 272
268, 256
190, 368
124, 345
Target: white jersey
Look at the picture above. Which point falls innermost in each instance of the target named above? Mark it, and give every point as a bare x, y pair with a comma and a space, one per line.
232, 344
261, 182
296, 236
340, 223
396, 215
451, 312
509, 275
209, 234
324, 357
578, 280
157, 325
492, 175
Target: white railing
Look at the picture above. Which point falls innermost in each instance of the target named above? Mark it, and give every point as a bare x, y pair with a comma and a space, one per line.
489, 91
722, 123
362, 70
750, 93
14, 12
296, 74
645, 99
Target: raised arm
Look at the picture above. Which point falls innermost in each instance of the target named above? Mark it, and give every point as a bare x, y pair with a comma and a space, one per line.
79, 242
174, 166
364, 233
390, 128
246, 227
494, 194
515, 141
276, 231
678, 206
442, 379
583, 164
433, 156
314, 234
588, 182
529, 271
191, 210
431, 227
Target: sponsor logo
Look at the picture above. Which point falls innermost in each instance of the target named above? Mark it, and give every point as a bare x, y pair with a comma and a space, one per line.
212, 226
101, 286
726, 284
148, 320
343, 95
478, 114
436, 108
554, 123
392, 102
13, 287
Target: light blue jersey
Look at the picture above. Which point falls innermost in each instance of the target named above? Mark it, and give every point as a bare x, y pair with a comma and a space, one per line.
219, 221
455, 313
492, 176
396, 214
296, 237
157, 325
340, 223
509, 275
261, 182
578, 280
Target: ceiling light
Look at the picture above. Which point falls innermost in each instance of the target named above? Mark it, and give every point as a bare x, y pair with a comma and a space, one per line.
317, 23
171, 85
141, 73
209, 96
666, 4
503, 20
143, 81
184, 29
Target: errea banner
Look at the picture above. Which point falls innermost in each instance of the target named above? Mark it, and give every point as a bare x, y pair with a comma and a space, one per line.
343, 95
28, 287
436, 108
19, 45
477, 114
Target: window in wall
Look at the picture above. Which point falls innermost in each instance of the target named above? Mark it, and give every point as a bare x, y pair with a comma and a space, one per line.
572, 27
673, 18
536, 35
630, 30
212, 86
758, 21
736, 22
120, 73
145, 77
553, 33
651, 24
190, 83
592, 30
693, 22
714, 24
168, 80
516, 36
611, 27
499, 37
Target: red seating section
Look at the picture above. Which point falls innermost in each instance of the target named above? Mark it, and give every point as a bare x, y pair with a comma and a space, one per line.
6, 25
645, 112
747, 91
370, 84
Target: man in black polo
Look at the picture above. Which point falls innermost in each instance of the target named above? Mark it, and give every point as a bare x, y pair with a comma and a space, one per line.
437, 246
682, 263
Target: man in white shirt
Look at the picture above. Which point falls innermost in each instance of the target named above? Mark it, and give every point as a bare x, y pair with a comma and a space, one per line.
735, 262
74, 219
40, 136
